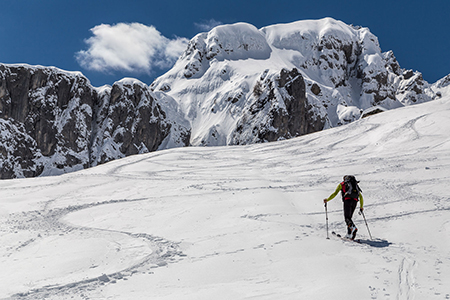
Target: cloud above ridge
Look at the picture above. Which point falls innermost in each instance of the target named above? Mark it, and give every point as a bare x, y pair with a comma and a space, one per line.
208, 25
131, 47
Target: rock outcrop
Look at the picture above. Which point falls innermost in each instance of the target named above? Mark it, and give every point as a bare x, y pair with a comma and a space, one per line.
281, 110
54, 121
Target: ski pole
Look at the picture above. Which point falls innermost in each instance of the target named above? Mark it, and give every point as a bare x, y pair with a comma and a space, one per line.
326, 214
362, 212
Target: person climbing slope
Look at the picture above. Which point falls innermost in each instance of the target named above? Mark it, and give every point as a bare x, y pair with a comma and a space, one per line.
351, 194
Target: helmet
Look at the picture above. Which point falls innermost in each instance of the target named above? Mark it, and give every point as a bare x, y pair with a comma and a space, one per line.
349, 177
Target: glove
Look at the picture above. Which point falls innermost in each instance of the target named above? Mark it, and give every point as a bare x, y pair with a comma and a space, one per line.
361, 209
325, 200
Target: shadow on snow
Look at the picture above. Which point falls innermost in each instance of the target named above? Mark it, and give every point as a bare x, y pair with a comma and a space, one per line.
378, 243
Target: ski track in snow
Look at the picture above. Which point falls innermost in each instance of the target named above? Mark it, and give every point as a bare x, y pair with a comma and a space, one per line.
243, 222
46, 223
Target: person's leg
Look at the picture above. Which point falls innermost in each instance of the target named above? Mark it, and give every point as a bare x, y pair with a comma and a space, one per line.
349, 208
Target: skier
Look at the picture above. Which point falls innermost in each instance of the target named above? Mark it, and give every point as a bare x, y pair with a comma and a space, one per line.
350, 194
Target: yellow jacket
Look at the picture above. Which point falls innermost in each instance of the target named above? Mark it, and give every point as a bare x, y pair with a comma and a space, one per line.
338, 189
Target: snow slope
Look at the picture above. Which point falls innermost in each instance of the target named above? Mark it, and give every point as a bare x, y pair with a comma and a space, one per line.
241, 222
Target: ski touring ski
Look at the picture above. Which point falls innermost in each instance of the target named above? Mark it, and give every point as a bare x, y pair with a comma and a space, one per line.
345, 238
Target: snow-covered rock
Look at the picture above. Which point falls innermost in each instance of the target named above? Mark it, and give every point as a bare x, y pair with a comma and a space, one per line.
280, 110
51, 111
228, 80
442, 87
53, 121
130, 120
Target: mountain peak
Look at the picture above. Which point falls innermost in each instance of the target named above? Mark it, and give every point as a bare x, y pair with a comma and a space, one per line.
342, 68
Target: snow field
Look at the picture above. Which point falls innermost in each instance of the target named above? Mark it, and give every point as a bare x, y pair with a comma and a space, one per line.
241, 222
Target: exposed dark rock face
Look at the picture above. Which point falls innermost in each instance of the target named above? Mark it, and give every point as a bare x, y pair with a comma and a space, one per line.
298, 118
270, 118
130, 122
54, 121
50, 105
18, 152
52, 112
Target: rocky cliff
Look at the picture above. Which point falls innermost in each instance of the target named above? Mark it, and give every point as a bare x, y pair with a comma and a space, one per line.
54, 121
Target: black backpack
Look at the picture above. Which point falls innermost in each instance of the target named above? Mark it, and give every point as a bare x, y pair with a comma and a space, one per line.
350, 188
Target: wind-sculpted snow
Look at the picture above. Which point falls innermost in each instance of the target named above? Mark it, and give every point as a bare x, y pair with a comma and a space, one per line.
225, 42
237, 41
302, 35
342, 69
241, 222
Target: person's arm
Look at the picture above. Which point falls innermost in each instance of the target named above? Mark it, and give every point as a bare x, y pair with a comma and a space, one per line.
338, 189
361, 201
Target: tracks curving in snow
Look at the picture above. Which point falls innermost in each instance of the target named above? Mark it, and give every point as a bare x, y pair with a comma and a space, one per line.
138, 252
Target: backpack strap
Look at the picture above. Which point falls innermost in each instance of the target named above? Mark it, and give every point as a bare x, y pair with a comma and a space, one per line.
343, 190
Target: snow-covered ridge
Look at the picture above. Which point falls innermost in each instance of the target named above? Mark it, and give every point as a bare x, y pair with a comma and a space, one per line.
41, 68
442, 86
229, 73
301, 35
236, 41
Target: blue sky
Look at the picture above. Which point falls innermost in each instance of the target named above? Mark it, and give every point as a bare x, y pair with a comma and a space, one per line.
69, 34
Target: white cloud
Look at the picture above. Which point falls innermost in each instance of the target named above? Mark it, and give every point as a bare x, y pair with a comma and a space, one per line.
129, 47
208, 25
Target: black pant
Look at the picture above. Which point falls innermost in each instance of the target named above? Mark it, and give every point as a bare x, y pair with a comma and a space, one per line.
349, 209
